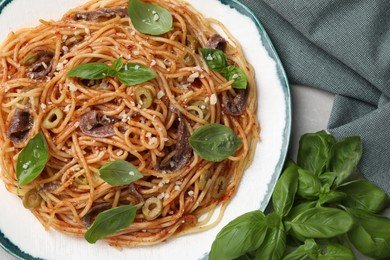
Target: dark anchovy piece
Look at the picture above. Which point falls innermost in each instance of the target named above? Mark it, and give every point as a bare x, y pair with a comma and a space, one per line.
234, 106
216, 41
135, 193
43, 65
96, 124
101, 15
89, 218
20, 125
50, 186
183, 148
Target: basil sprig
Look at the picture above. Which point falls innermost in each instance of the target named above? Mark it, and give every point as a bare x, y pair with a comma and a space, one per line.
32, 159
314, 208
128, 74
110, 222
119, 172
214, 142
216, 60
149, 19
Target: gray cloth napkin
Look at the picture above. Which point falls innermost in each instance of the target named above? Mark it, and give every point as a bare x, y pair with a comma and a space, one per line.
341, 46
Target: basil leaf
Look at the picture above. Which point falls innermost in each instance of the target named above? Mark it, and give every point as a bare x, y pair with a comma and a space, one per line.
214, 142
131, 74
274, 244
313, 152
92, 71
309, 185
232, 72
215, 59
371, 234
149, 19
363, 194
284, 192
119, 172
337, 252
310, 250
242, 235
328, 178
321, 222
110, 221
331, 197
32, 159
117, 64
244, 257
345, 156
296, 211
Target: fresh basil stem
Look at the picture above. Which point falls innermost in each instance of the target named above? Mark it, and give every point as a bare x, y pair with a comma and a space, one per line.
214, 142
119, 172
216, 60
128, 74
111, 221
32, 159
313, 205
149, 19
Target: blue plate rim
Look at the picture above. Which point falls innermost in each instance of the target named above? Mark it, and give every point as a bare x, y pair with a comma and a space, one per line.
15, 251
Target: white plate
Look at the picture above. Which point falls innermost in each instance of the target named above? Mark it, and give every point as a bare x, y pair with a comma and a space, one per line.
22, 236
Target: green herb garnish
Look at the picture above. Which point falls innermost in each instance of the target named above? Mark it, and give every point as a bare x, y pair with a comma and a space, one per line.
214, 142
314, 210
370, 234
128, 74
149, 19
236, 74
216, 60
32, 159
249, 228
119, 172
110, 221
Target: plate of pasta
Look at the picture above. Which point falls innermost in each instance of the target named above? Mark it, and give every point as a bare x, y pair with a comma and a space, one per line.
135, 129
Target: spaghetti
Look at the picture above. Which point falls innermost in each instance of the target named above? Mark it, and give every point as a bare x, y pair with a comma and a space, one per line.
90, 123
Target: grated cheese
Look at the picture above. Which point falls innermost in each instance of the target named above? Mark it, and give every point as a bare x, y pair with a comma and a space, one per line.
213, 99
72, 87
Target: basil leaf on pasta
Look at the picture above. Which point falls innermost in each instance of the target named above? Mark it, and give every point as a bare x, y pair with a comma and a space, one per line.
32, 159
92, 71
214, 142
117, 64
128, 74
132, 74
119, 172
239, 77
149, 19
110, 221
215, 59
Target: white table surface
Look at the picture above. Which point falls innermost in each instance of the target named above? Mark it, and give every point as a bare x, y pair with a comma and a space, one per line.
311, 109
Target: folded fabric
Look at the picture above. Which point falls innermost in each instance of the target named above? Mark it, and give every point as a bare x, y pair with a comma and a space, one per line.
341, 46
